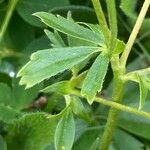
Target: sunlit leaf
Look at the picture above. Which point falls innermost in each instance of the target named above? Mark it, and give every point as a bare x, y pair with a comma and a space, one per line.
47, 63
70, 28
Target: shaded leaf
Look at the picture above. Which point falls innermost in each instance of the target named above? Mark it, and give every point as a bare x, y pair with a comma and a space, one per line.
79, 109
65, 132
32, 131
94, 80
95, 144
26, 8
70, 28
143, 78
7, 114
47, 63
124, 141
143, 92
3, 145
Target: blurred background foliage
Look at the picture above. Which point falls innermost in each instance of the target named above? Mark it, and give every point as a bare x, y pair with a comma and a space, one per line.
23, 123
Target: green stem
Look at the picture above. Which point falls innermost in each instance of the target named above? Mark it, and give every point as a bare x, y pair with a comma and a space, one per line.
113, 113
10, 10
117, 106
101, 19
134, 33
111, 9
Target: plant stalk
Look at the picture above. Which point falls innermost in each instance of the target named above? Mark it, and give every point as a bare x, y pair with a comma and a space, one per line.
10, 10
112, 103
118, 89
134, 33
101, 19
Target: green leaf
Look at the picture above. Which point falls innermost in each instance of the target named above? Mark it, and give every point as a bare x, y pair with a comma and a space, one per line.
143, 78
119, 48
95, 144
26, 8
3, 145
79, 12
55, 38
135, 125
70, 28
5, 94
65, 132
94, 80
129, 8
47, 63
23, 97
79, 109
65, 87
31, 132
126, 141
86, 139
7, 114
143, 92
62, 87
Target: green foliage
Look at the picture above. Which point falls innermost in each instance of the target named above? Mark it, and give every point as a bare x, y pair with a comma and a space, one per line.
3, 145
52, 62
70, 28
32, 131
95, 77
75, 64
65, 132
28, 7
7, 114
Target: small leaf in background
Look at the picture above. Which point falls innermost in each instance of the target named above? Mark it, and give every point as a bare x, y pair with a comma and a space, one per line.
70, 28
138, 126
47, 63
143, 92
5, 94
26, 8
94, 80
3, 145
65, 132
96, 144
23, 97
122, 141
143, 78
130, 9
79, 109
87, 139
55, 38
33, 131
7, 114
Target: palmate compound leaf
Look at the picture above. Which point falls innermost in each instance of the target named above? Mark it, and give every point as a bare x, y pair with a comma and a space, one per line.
47, 63
143, 78
94, 80
70, 28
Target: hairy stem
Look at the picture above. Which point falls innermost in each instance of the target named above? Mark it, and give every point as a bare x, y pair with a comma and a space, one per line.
134, 33
111, 9
101, 19
117, 106
10, 10
118, 88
